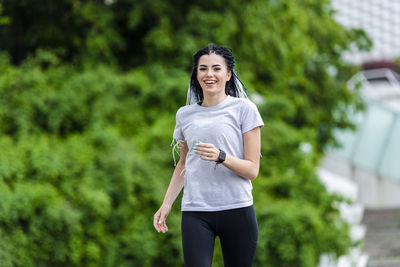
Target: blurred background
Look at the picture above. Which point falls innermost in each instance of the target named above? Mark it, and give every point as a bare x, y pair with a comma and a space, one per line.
88, 96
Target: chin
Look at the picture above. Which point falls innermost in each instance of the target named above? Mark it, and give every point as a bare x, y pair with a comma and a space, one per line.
213, 90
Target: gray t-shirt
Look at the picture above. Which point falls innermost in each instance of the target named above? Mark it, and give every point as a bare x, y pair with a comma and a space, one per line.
206, 188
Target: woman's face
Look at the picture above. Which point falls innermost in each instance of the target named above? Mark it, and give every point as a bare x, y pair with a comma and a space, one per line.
212, 74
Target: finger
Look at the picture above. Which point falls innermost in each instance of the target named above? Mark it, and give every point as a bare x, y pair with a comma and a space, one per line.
198, 144
156, 222
208, 145
205, 145
164, 227
202, 145
207, 154
161, 219
209, 158
159, 226
197, 149
160, 223
210, 150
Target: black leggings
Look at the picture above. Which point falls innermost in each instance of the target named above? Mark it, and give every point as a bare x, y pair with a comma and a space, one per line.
236, 228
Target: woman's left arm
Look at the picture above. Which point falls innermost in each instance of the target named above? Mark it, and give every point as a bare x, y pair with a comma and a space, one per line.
249, 166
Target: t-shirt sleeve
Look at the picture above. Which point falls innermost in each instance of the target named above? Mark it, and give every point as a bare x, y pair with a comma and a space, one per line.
178, 135
251, 118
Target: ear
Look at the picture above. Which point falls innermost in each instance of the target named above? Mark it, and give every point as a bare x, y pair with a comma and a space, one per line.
229, 76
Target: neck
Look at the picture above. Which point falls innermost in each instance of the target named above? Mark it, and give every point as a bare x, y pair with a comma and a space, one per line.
212, 100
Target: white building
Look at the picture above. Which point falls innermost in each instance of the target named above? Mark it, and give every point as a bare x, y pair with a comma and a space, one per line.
366, 169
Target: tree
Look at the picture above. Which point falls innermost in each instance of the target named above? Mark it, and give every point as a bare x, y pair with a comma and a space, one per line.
87, 111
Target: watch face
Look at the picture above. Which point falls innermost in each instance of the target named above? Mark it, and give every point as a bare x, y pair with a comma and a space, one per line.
222, 156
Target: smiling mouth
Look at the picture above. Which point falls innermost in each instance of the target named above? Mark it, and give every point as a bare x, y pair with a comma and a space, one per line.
210, 82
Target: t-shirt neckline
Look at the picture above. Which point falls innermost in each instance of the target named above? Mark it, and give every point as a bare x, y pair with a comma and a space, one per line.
220, 104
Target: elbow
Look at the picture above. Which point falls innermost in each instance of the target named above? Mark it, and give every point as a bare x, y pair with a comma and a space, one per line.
253, 175
254, 171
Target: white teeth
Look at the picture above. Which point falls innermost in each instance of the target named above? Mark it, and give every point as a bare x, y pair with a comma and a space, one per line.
209, 82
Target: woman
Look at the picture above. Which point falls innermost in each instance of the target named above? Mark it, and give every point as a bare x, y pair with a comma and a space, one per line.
219, 136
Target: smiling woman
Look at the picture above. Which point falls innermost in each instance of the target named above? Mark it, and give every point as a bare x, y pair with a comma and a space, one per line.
217, 200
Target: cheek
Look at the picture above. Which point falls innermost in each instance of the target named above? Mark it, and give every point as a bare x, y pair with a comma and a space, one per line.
199, 77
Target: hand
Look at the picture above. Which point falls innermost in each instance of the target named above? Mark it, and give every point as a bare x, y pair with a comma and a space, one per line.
207, 151
160, 217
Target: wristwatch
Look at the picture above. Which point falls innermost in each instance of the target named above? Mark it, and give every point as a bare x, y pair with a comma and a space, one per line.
221, 157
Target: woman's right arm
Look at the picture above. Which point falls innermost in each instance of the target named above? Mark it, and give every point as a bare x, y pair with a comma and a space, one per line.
174, 188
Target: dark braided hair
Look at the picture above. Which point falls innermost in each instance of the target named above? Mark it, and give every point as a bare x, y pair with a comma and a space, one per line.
231, 88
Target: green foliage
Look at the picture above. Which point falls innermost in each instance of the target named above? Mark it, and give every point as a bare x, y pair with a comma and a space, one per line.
293, 234
87, 110
74, 191
3, 19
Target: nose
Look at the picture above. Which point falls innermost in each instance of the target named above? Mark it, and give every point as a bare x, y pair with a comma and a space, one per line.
209, 73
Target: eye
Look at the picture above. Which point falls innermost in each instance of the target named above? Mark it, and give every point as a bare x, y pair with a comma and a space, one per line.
202, 69
217, 68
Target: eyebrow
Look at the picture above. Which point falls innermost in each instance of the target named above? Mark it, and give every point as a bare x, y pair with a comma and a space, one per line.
215, 65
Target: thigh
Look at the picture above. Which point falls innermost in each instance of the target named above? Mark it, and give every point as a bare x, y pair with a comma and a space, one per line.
198, 238
238, 232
